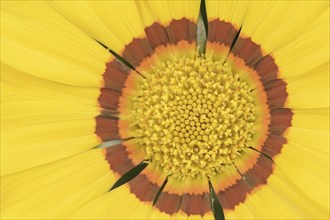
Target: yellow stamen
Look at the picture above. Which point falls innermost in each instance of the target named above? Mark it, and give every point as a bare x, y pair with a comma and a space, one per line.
194, 116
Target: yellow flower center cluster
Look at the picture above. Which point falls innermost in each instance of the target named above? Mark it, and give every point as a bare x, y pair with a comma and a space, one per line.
193, 116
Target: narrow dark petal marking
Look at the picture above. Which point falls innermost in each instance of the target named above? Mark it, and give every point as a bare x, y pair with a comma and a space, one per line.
244, 177
131, 174
125, 62
234, 41
160, 191
203, 13
215, 204
201, 37
122, 59
263, 154
103, 45
202, 29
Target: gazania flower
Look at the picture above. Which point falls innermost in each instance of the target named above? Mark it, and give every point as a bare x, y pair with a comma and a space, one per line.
165, 109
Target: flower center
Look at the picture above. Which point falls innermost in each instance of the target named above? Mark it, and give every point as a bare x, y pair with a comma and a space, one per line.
193, 116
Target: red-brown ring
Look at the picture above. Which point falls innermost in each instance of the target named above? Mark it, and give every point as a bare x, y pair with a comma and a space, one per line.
246, 49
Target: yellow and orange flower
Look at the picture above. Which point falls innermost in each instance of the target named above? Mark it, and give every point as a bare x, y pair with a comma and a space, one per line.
115, 110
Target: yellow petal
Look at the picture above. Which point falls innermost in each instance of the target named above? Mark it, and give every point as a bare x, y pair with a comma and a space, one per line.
283, 28
113, 23
229, 11
304, 162
307, 51
165, 11
311, 130
116, 204
275, 201
55, 190
274, 24
43, 121
19, 86
310, 90
111, 206
299, 186
37, 40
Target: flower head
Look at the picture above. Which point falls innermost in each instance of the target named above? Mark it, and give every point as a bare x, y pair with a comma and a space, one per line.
164, 109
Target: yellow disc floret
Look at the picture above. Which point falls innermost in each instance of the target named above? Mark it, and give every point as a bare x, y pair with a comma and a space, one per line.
193, 116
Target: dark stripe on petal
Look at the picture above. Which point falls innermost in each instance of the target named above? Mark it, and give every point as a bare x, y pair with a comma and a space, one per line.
267, 69
143, 188
280, 120
136, 51
247, 50
169, 203
276, 93
107, 128
115, 75
109, 99
221, 32
234, 194
182, 29
273, 145
118, 159
195, 204
259, 173
157, 35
